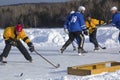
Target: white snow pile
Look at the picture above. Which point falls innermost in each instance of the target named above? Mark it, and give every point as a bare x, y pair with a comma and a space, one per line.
107, 36
48, 43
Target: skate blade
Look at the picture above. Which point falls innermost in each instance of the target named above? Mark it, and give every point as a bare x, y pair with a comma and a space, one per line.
81, 54
96, 50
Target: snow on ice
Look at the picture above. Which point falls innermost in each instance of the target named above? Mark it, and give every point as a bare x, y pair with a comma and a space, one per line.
48, 43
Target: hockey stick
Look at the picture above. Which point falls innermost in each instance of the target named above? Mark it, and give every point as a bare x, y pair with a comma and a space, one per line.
56, 66
101, 47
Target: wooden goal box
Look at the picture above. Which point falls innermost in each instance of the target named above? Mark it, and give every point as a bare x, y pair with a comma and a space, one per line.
96, 68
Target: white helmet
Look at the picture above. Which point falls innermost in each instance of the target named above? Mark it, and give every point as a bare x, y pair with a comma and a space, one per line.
114, 8
72, 12
81, 8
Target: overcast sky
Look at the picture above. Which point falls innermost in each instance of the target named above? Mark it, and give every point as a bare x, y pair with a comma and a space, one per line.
8, 2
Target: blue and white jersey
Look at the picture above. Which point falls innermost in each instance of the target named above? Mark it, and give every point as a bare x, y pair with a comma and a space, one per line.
76, 22
116, 20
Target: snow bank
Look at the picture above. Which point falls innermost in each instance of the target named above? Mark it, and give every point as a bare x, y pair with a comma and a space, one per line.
107, 36
103, 76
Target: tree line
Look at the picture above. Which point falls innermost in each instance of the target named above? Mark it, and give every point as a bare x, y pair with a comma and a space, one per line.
47, 15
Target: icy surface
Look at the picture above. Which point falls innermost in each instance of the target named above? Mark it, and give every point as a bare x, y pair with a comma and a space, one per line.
48, 43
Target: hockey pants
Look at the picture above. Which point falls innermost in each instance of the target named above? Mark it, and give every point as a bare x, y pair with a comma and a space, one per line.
20, 46
72, 36
92, 37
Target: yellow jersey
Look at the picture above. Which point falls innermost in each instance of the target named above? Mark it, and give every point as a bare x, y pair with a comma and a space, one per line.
9, 33
90, 25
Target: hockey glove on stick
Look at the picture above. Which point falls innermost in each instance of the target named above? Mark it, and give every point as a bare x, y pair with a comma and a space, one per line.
11, 42
31, 47
85, 32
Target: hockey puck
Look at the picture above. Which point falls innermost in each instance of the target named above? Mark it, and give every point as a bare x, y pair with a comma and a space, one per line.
21, 74
104, 47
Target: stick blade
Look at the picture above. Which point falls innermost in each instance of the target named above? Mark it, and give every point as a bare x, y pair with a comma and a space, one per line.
104, 47
58, 65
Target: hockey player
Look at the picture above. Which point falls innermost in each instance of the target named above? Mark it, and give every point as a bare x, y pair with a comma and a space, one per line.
12, 36
75, 28
91, 26
66, 24
116, 19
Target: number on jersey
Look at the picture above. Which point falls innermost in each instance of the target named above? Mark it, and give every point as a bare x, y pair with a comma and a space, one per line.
74, 19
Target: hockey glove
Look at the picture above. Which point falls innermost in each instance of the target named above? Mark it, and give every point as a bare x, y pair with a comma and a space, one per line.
31, 47
13, 43
85, 32
94, 29
66, 31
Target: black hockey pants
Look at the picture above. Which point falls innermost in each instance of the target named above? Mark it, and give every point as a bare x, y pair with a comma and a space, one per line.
72, 36
92, 38
20, 46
